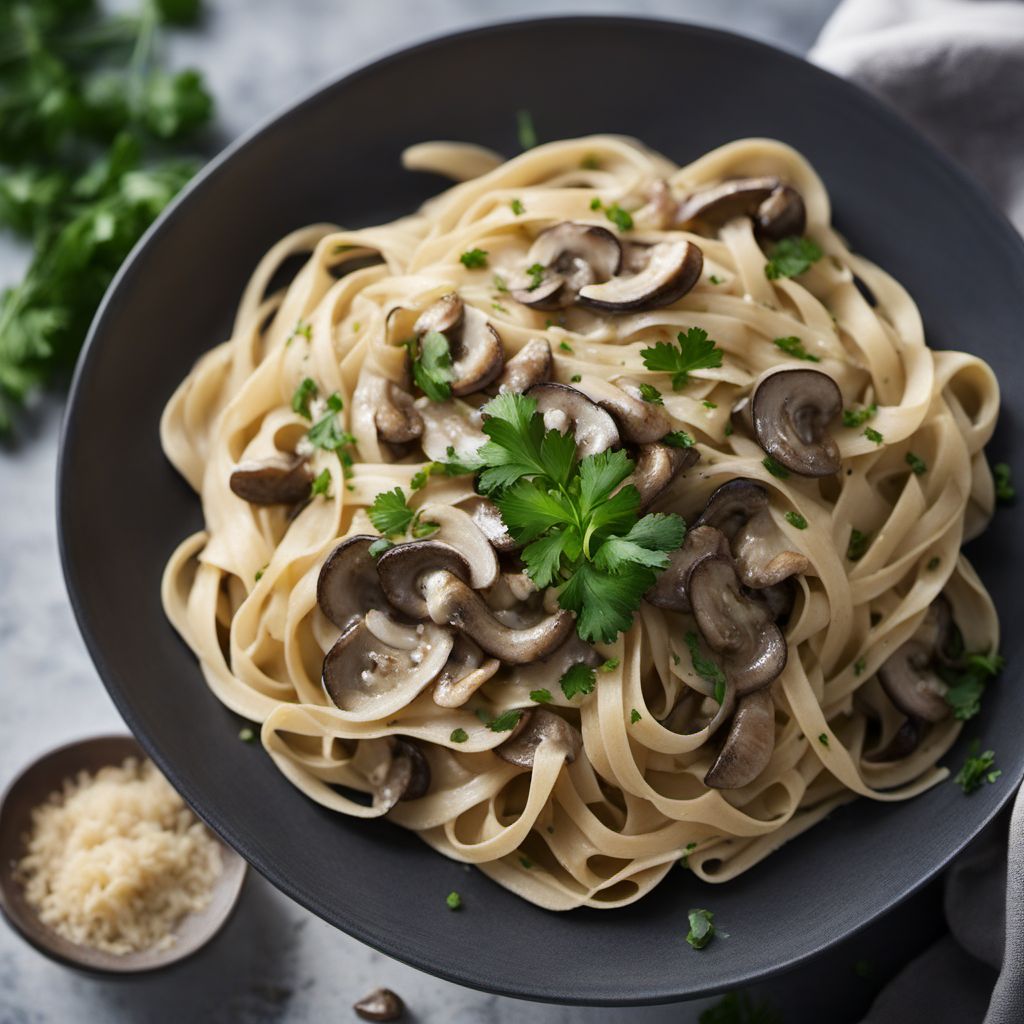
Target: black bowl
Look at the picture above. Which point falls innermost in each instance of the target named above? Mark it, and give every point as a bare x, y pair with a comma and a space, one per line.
335, 156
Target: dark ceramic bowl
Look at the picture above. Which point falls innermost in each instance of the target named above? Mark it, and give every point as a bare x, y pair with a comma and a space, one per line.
33, 787
335, 156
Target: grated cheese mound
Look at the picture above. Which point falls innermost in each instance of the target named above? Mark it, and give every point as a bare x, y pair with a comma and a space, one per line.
115, 860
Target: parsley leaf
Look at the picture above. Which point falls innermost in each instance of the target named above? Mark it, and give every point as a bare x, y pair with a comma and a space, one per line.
604, 602
702, 928
525, 130
634, 716
791, 257
432, 367
858, 417
796, 520
694, 351
917, 464
858, 545
390, 514
536, 273
326, 433
647, 543
967, 684
542, 696
517, 207
794, 347
577, 679
321, 485
453, 900
507, 721
977, 769
705, 667
304, 393
649, 393
1002, 476
678, 439
459, 736
474, 259
873, 435
775, 467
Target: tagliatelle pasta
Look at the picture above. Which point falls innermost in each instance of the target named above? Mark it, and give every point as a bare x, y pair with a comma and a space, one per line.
879, 540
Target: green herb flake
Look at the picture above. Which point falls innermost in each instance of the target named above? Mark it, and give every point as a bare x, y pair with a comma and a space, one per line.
517, 207
678, 439
542, 696
727, 430
610, 665
474, 259
693, 350
794, 347
684, 860
634, 716
566, 347
823, 739
916, 464
774, 467
977, 769
526, 862
459, 736
967, 682
577, 679
500, 284
621, 218
453, 901
432, 366
934, 563
858, 545
321, 485
590, 163
302, 396
536, 273
379, 546
247, 735
649, 393
709, 405
706, 668
859, 665
702, 928
715, 279
791, 257
576, 378
506, 721
1002, 477
858, 417
525, 130
796, 520
873, 435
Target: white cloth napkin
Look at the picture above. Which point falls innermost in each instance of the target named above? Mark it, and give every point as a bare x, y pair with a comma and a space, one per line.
955, 68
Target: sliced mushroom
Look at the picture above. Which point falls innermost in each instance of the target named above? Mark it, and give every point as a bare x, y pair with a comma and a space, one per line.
751, 645
348, 586
657, 465
403, 569
763, 557
777, 209
572, 255
538, 726
406, 776
380, 1005
487, 518
671, 270
465, 671
451, 602
792, 410
361, 671
701, 542
444, 427
732, 504
908, 675
444, 316
748, 745
564, 408
660, 210
530, 365
457, 528
477, 355
903, 744
277, 480
396, 417
639, 421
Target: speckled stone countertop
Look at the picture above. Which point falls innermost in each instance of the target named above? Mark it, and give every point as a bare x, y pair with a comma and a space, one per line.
274, 961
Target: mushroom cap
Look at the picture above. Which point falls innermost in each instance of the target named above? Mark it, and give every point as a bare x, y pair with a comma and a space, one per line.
487, 518
457, 529
276, 480
748, 745
404, 568
672, 269
529, 366
911, 684
444, 427
657, 465
451, 602
732, 505
565, 408
380, 1005
477, 355
348, 585
537, 726
396, 417
737, 197
791, 412
407, 776
444, 315
573, 255
638, 421
463, 674
670, 590
752, 647
782, 214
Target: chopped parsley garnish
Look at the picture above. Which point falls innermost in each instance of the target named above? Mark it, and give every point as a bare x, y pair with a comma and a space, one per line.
823, 739
321, 485
791, 257
715, 279
978, 769
858, 417
565, 347
609, 666
517, 207
933, 563
259, 573
247, 735
500, 284
474, 259
634, 716
576, 378
775, 467
649, 393
392, 516
858, 545
678, 439
453, 900
499, 308
705, 667
709, 404
525, 130
873, 435
727, 430
326, 433
302, 396
694, 351
621, 218
590, 163
300, 330
859, 665
536, 272
506, 721
378, 547
578, 679
967, 684
1002, 476
702, 928
580, 530
794, 347
796, 520
542, 696
432, 366
917, 464
459, 736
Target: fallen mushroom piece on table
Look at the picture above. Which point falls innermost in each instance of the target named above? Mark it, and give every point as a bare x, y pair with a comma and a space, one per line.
380, 1005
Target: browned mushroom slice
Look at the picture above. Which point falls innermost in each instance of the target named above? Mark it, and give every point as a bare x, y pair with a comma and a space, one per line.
277, 480
732, 504
380, 1005
396, 417
762, 553
791, 411
572, 256
752, 647
530, 365
477, 355
564, 408
445, 315
907, 676
457, 529
487, 518
749, 744
545, 673
537, 726
639, 421
701, 542
777, 209
782, 214
402, 570
465, 671
348, 585
671, 270
657, 465
406, 776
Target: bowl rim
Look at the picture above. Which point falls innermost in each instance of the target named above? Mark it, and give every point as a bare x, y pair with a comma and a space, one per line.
423, 959
115, 967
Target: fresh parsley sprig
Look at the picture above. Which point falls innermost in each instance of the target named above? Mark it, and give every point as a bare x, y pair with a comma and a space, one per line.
693, 350
432, 365
967, 684
391, 515
581, 527
791, 257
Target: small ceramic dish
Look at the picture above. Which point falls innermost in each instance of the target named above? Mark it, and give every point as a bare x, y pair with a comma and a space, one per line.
31, 788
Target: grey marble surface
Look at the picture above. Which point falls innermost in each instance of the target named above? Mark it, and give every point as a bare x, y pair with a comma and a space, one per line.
275, 962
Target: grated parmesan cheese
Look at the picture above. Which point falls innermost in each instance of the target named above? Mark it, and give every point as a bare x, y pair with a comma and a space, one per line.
115, 860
